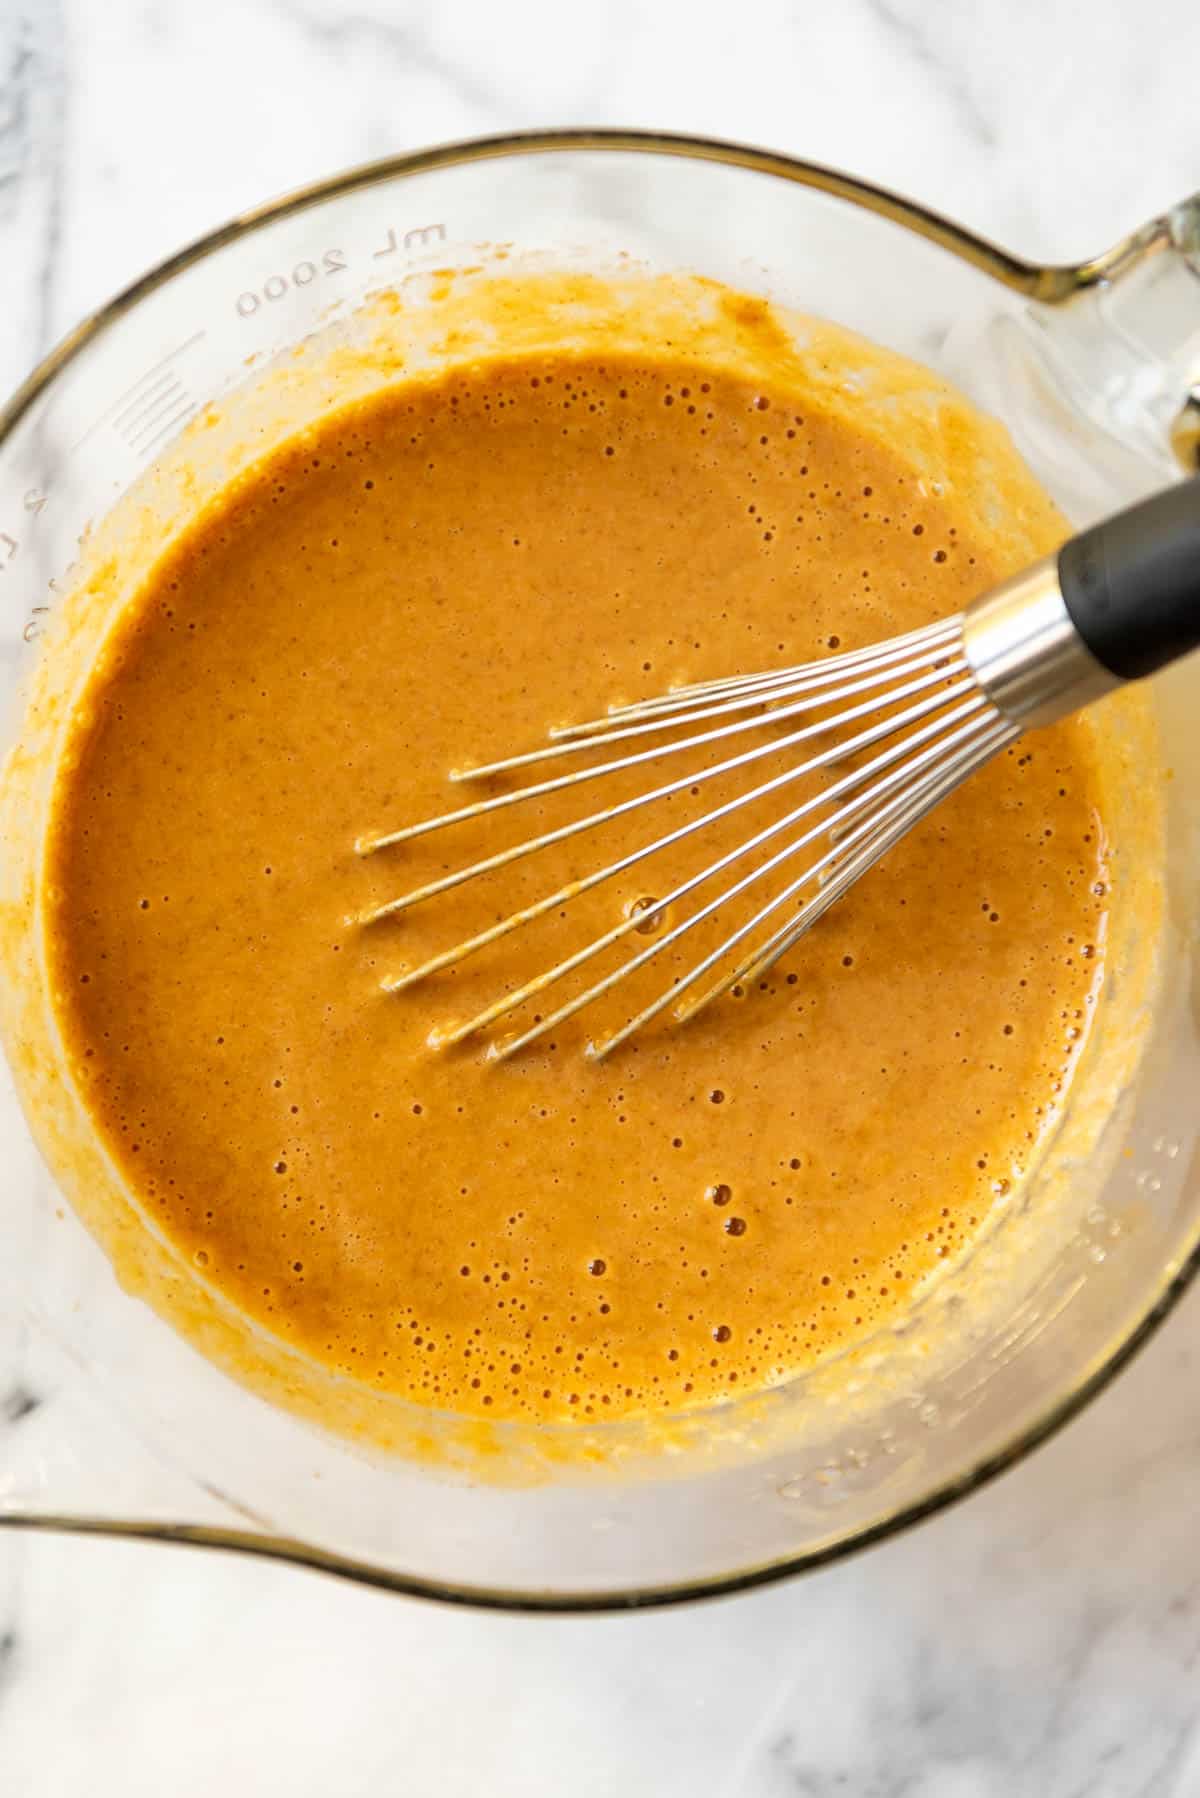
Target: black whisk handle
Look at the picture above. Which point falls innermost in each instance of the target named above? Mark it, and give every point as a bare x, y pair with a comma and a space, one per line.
1132, 583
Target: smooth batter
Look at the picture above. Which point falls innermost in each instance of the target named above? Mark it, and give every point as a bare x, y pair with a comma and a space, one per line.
429, 579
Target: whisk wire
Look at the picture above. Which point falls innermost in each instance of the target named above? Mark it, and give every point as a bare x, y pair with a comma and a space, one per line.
572, 889
743, 691
445, 883
877, 815
870, 799
877, 833
804, 701
925, 635
911, 707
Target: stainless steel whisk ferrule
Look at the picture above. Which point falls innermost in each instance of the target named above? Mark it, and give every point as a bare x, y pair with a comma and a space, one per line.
1026, 652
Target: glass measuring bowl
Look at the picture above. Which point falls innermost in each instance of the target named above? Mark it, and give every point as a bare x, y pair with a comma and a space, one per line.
1096, 371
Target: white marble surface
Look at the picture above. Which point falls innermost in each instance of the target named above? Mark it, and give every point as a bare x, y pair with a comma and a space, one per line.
1044, 1639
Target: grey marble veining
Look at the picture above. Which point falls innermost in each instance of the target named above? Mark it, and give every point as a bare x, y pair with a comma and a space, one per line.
1042, 1639
32, 109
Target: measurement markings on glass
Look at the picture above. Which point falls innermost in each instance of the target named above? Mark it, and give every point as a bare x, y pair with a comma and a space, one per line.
419, 238
156, 404
143, 416
275, 286
33, 501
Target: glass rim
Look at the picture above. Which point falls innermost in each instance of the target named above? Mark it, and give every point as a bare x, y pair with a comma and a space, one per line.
1047, 284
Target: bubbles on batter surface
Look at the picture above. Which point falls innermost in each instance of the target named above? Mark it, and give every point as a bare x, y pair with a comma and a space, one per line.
519, 1329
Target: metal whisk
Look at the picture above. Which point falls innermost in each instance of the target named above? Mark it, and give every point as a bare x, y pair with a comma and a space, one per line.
899, 726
